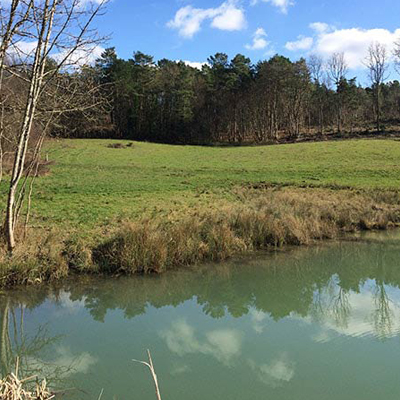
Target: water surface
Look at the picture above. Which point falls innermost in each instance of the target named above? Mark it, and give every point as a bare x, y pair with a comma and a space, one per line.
306, 324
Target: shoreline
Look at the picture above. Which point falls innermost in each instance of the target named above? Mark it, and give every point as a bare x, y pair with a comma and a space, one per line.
258, 219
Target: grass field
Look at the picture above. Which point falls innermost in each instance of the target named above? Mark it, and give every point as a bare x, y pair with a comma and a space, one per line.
149, 208
91, 184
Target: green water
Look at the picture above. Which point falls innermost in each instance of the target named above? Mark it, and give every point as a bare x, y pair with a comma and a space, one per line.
306, 324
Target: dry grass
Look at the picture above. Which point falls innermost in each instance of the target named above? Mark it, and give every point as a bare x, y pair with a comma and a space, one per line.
38, 259
13, 388
255, 219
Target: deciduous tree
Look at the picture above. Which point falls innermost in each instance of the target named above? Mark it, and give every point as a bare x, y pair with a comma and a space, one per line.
377, 64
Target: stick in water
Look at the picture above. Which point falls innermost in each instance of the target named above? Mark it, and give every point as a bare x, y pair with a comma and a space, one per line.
153, 373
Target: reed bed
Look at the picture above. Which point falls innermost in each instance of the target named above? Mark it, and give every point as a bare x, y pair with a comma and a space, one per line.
258, 220
254, 219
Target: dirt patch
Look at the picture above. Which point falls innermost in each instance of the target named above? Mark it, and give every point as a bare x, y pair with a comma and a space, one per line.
43, 169
119, 146
116, 146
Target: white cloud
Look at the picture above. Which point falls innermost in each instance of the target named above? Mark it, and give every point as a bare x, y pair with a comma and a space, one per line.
257, 320
302, 43
78, 364
193, 64
79, 57
22, 51
363, 317
229, 16
66, 305
276, 373
64, 363
270, 52
223, 344
179, 369
354, 43
259, 41
320, 27
283, 5
188, 20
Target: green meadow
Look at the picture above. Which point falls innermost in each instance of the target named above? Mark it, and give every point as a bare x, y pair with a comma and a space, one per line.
120, 207
91, 184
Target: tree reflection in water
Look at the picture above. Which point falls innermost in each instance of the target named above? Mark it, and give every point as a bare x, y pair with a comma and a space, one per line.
346, 288
319, 282
27, 348
15, 342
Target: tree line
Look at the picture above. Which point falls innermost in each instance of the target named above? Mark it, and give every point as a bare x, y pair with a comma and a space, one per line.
236, 101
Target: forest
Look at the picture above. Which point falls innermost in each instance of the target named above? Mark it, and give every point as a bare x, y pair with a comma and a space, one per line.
236, 101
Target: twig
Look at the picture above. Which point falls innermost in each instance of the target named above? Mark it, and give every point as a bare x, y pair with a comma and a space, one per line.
153, 373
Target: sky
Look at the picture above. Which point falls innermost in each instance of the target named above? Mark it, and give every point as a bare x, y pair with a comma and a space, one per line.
192, 30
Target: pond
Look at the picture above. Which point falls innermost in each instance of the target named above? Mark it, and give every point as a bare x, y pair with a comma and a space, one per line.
319, 322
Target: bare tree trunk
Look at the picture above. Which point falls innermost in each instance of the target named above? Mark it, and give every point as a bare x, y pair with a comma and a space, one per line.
36, 80
70, 31
377, 64
4, 337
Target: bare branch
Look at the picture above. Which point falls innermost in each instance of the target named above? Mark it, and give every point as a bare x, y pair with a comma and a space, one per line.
316, 66
153, 373
377, 64
337, 68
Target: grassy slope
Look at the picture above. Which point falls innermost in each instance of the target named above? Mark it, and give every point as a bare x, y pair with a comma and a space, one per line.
91, 183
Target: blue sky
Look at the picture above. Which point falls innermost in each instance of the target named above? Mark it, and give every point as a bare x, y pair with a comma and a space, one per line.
191, 30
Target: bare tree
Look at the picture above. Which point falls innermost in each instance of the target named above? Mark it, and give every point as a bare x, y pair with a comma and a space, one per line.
377, 64
316, 66
10, 23
58, 29
396, 54
337, 69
